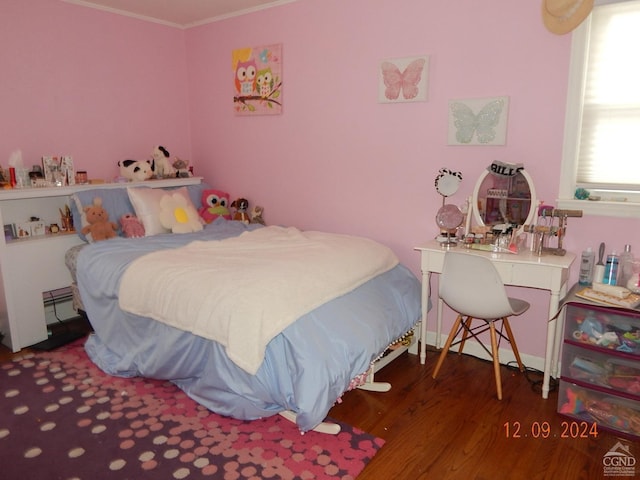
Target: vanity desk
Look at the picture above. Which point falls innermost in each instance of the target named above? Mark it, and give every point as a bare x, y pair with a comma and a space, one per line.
525, 269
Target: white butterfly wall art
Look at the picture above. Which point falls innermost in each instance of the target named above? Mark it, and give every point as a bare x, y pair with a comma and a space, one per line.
478, 121
403, 80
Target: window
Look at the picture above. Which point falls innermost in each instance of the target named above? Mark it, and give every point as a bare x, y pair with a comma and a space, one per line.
602, 133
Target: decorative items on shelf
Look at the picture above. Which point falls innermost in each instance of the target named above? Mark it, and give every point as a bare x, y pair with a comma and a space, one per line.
18, 175
81, 177
66, 219
36, 226
54, 171
58, 171
159, 166
33, 227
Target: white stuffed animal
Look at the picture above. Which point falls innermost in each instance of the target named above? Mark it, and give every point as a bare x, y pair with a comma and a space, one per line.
136, 170
163, 163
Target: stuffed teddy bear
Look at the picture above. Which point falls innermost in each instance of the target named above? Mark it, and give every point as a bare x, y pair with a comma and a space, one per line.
163, 164
214, 204
131, 226
99, 226
137, 170
256, 215
241, 205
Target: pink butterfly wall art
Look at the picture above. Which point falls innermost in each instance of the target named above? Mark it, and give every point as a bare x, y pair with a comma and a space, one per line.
403, 80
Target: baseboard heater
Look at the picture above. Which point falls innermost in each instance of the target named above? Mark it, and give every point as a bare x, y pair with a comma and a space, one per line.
58, 295
58, 306
58, 310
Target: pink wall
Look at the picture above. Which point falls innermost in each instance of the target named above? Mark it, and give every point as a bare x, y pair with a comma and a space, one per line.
90, 84
338, 160
103, 87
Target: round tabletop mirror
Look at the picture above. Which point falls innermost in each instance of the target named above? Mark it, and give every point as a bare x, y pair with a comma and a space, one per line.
449, 217
504, 197
447, 182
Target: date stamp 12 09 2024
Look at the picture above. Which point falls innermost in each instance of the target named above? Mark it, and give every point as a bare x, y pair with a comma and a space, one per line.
568, 429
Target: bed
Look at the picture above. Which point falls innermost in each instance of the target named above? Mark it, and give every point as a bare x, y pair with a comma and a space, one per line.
323, 346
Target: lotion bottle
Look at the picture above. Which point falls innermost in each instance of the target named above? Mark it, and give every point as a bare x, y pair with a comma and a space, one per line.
625, 268
586, 266
611, 269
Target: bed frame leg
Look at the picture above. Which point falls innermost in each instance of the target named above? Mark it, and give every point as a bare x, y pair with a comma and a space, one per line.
324, 427
376, 387
370, 385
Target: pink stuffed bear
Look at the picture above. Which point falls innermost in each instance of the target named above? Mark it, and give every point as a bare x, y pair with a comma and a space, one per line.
215, 203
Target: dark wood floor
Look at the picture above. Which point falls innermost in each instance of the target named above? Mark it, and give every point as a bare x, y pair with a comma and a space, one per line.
455, 428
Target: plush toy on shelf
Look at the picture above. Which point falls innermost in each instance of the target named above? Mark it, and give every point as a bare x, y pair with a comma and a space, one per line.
162, 161
131, 226
215, 203
136, 170
99, 225
181, 168
241, 205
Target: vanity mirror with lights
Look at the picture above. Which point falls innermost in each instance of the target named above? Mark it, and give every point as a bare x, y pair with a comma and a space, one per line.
504, 197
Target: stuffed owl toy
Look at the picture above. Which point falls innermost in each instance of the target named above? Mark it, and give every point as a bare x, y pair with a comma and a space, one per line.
215, 203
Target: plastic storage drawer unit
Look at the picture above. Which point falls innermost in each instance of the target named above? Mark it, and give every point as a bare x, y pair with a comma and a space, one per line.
600, 375
610, 412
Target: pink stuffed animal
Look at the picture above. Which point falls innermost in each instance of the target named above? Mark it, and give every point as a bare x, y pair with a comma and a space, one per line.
131, 226
215, 203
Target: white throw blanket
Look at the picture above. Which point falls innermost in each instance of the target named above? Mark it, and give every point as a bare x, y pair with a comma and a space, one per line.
243, 291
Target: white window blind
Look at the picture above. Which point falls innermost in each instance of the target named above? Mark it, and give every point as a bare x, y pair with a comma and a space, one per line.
609, 141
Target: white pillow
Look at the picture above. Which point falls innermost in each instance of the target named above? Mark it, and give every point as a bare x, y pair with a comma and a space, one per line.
146, 203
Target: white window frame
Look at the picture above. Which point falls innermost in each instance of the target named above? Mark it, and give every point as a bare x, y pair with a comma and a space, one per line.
630, 207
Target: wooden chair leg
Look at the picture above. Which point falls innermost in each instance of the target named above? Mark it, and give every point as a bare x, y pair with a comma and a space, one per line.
447, 345
512, 341
465, 333
496, 359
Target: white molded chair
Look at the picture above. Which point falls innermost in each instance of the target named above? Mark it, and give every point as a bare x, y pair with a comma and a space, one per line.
471, 285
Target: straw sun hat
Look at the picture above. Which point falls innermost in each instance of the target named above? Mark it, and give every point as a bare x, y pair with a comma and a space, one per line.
562, 16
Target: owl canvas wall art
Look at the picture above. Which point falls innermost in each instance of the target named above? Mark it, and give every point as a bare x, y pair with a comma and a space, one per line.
403, 80
257, 80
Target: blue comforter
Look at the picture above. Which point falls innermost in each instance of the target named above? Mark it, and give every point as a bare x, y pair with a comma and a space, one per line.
306, 368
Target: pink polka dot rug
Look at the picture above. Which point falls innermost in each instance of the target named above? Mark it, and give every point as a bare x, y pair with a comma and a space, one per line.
61, 417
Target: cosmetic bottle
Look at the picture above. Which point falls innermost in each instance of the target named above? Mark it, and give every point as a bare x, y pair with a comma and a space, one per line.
586, 267
625, 269
611, 269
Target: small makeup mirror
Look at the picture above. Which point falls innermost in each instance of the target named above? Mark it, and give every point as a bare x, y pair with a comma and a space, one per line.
449, 217
504, 196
